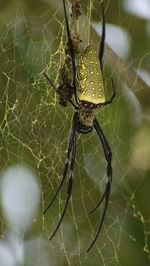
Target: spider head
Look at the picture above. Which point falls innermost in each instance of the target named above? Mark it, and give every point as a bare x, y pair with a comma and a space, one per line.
86, 117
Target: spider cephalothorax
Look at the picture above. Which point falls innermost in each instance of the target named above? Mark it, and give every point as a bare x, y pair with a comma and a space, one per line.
88, 91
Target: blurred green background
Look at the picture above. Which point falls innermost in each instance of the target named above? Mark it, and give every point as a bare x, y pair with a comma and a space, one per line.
34, 132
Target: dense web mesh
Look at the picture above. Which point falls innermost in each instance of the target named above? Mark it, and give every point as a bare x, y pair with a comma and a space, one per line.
34, 133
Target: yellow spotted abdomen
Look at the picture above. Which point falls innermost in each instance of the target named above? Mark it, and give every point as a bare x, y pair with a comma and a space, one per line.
90, 82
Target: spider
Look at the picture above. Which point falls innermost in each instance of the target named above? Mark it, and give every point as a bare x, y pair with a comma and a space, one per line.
88, 90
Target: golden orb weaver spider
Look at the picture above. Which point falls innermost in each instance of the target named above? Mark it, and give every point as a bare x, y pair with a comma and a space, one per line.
89, 95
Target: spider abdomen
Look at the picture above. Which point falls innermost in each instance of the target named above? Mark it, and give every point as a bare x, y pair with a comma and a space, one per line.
90, 82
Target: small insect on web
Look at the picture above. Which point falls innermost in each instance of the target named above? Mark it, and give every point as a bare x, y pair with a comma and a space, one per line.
88, 91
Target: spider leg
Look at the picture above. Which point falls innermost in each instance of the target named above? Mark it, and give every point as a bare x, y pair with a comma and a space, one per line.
102, 43
113, 95
70, 182
72, 53
111, 99
66, 165
101, 200
52, 84
101, 223
108, 157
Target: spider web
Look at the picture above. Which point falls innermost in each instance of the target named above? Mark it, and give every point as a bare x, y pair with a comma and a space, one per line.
34, 137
